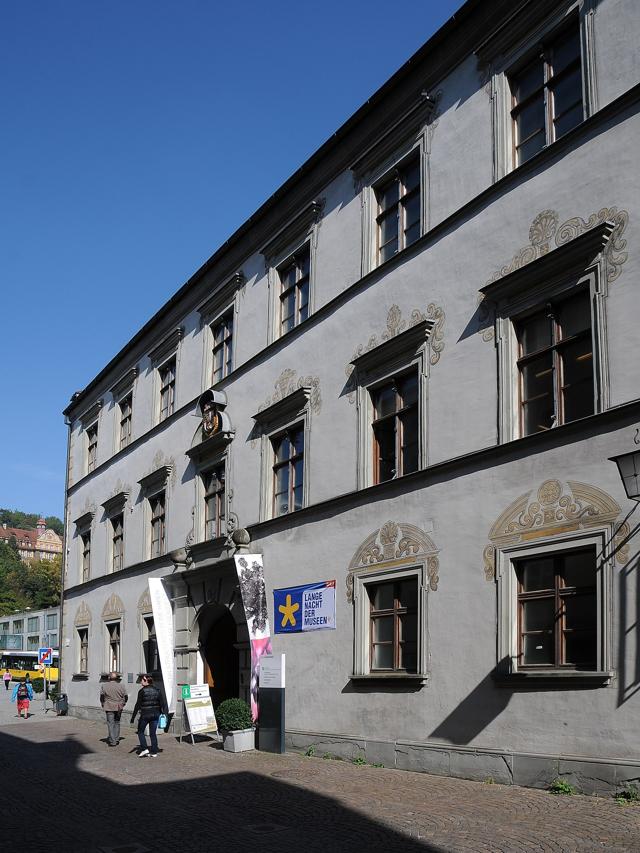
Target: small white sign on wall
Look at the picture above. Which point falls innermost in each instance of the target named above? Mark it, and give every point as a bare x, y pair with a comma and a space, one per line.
272, 669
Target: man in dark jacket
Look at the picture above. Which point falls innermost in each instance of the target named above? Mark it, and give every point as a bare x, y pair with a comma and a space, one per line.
113, 698
150, 704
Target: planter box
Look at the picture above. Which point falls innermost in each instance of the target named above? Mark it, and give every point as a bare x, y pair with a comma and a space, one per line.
240, 740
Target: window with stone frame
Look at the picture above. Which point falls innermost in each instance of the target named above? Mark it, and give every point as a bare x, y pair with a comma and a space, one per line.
393, 625
288, 470
114, 631
167, 374
92, 447
294, 277
555, 363
157, 507
125, 407
33, 643
558, 610
213, 481
150, 645
395, 426
33, 623
83, 650
85, 539
399, 203
117, 542
546, 93
222, 352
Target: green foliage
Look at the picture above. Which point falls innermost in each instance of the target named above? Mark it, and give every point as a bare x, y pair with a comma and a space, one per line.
25, 585
489, 781
310, 751
561, 786
29, 520
359, 761
629, 794
38, 685
234, 714
377, 764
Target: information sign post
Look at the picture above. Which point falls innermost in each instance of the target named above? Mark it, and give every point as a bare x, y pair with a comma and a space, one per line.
196, 703
271, 694
45, 659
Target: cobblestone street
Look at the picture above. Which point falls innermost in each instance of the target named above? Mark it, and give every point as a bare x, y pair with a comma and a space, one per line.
85, 798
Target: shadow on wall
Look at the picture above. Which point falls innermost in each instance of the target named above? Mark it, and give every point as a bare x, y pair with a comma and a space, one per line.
628, 620
476, 711
234, 812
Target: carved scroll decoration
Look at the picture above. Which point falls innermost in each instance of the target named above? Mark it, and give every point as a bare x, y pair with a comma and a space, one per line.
83, 615
392, 542
113, 607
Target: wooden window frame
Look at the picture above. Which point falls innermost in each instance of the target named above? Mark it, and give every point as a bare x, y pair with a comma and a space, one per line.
92, 447
558, 344
114, 644
167, 377
149, 642
289, 463
158, 508
224, 347
559, 594
295, 262
85, 539
397, 611
126, 413
397, 416
544, 55
83, 649
117, 542
398, 175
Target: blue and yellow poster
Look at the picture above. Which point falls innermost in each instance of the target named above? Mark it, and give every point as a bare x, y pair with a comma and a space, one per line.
311, 607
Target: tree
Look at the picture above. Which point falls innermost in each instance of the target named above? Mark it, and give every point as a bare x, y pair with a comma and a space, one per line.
25, 585
29, 520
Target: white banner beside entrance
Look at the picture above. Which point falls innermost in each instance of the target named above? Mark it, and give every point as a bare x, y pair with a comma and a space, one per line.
163, 624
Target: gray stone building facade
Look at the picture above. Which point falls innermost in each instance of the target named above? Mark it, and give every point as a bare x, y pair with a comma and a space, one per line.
420, 357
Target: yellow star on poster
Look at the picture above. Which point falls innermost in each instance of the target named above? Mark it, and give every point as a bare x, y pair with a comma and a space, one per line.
287, 611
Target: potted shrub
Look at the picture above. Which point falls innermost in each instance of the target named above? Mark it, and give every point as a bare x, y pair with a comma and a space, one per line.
235, 723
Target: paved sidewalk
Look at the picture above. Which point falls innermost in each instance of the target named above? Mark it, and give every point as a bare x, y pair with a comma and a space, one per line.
199, 799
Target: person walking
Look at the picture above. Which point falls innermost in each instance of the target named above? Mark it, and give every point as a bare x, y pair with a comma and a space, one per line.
6, 678
113, 698
150, 703
22, 694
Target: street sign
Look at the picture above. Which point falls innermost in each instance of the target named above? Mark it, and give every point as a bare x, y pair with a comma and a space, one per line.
45, 657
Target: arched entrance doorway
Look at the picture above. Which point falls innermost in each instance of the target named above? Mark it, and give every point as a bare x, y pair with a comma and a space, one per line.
222, 644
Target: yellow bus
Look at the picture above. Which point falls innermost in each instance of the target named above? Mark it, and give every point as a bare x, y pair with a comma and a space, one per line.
21, 664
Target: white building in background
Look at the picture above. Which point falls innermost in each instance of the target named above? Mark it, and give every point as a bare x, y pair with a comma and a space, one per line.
422, 352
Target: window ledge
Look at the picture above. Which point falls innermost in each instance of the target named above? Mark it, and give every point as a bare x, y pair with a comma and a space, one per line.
570, 678
80, 676
391, 677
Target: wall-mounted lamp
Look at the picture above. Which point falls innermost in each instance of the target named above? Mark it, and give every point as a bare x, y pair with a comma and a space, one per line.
629, 470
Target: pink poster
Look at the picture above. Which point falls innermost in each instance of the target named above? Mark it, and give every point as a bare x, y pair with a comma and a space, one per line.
254, 599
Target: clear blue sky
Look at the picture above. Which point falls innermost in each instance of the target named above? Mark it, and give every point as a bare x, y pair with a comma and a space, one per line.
135, 138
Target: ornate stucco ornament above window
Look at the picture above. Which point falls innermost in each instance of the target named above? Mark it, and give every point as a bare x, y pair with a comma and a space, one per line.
292, 394
395, 325
113, 607
545, 235
286, 385
83, 615
557, 508
394, 544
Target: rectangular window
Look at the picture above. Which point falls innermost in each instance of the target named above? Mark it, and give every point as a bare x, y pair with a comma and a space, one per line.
150, 646
558, 611
113, 646
157, 504
4, 627
18, 626
92, 447
288, 470
125, 421
53, 641
86, 556
214, 501
399, 204
395, 427
33, 623
117, 543
294, 289
83, 648
546, 95
222, 331
33, 643
52, 621
555, 364
393, 625
167, 388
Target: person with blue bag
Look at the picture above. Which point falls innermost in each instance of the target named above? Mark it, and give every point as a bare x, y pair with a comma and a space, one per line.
150, 704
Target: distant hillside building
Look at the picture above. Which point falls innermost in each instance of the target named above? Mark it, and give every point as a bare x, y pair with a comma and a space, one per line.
39, 544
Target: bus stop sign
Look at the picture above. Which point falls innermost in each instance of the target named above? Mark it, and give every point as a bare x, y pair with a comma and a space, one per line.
45, 657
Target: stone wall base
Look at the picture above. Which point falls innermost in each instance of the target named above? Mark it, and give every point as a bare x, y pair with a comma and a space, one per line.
532, 770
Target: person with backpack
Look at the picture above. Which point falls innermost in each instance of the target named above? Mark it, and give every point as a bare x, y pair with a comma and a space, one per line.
150, 704
23, 694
